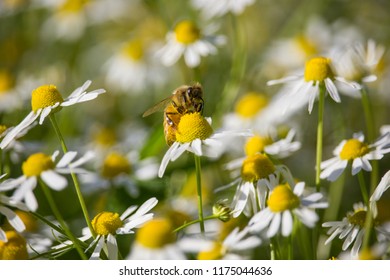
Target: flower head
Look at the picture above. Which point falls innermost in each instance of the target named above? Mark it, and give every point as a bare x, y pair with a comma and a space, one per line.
15, 248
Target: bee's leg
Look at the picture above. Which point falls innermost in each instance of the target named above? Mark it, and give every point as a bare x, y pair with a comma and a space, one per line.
168, 118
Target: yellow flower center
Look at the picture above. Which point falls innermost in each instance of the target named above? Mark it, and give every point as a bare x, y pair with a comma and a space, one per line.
255, 167
251, 104
156, 234
106, 137
367, 254
106, 223
7, 82
256, 144
15, 248
352, 149
193, 126
36, 164
72, 6
318, 69
187, 32
45, 96
2, 128
282, 198
134, 50
308, 47
358, 217
215, 253
115, 164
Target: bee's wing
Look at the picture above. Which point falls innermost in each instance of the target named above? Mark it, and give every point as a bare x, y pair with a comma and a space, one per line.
158, 107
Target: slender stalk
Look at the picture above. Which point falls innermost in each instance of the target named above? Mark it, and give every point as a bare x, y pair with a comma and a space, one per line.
199, 190
61, 220
363, 187
194, 222
320, 127
74, 177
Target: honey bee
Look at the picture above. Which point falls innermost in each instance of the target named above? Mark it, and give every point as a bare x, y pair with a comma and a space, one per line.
185, 99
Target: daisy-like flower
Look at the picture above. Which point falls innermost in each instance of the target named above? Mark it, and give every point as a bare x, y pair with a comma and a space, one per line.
15, 248
188, 41
384, 185
283, 203
194, 134
258, 175
305, 88
47, 99
156, 241
217, 8
43, 166
108, 224
358, 152
351, 228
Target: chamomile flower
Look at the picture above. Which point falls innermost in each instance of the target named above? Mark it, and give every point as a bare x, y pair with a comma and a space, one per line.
350, 227
217, 8
187, 40
13, 219
283, 203
258, 175
15, 248
108, 224
194, 134
356, 151
156, 241
47, 99
383, 185
42, 166
304, 88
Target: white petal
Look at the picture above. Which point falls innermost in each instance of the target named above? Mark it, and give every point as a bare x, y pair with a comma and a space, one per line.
299, 188
241, 198
54, 180
3, 237
13, 219
112, 247
287, 223
96, 252
332, 90
275, 225
66, 159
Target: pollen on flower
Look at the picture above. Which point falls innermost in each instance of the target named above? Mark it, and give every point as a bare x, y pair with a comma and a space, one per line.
352, 149
15, 248
318, 69
215, 253
256, 167
187, 32
115, 164
106, 223
156, 234
45, 96
193, 126
36, 164
134, 50
256, 144
282, 198
251, 104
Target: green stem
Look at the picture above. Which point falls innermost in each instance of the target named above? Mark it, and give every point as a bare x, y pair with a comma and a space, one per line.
74, 177
60, 219
194, 222
320, 127
363, 187
199, 190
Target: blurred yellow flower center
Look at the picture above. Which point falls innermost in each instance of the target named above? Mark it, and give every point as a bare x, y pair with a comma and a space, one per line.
15, 248
215, 253
318, 69
156, 234
352, 149
106, 223
282, 198
256, 144
115, 164
36, 164
187, 32
358, 217
3, 128
367, 254
193, 126
72, 6
251, 104
6, 81
28, 220
134, 50
308, 47
256, 167
45, 96
106, 137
